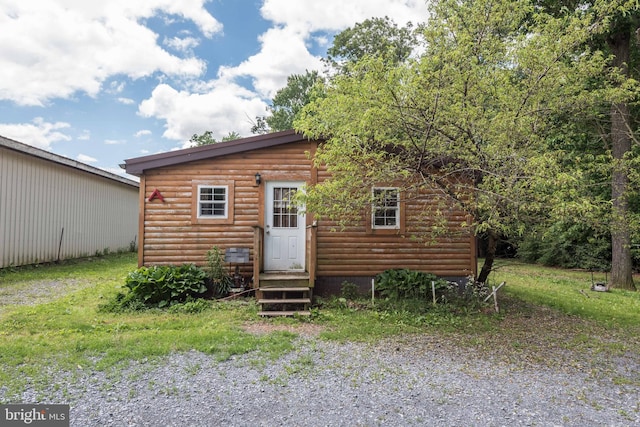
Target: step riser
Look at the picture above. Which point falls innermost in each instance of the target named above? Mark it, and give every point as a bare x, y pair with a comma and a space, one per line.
279, 283
285, 301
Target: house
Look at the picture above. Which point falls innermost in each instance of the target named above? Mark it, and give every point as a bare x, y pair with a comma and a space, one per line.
235, 195
54, 208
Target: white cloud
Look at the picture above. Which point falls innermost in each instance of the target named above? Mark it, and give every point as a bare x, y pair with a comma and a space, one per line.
85, 135
222, 105
284, 52
121, 172
223, 109
60, 47
185, 44
86, 159
284, 48
113, 142
143, 132
126, 101
38, 133
116, 87
336, 15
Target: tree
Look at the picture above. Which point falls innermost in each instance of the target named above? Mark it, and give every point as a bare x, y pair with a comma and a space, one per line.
206, 138
616, 135
468, 120
379, 37
286, 104
619, 42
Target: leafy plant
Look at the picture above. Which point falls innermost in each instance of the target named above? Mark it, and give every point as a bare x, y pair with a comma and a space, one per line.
403, 283
162, 285
220, 281
349, 290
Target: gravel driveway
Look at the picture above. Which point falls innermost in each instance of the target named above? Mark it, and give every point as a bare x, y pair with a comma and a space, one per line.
407, 381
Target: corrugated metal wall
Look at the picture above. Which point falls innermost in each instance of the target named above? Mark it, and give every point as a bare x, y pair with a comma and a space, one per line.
50, 211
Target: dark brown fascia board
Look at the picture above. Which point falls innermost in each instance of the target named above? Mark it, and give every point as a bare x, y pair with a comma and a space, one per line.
137, 166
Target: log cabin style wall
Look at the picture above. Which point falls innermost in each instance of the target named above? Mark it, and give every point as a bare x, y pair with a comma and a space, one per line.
171, 233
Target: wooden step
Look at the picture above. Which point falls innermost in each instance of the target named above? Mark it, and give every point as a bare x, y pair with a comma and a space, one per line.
284, 313
285, 301
281, 289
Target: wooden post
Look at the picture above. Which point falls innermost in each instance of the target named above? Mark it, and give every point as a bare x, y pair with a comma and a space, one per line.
494, 294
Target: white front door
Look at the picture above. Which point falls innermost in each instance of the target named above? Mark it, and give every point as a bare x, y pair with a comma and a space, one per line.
284, 228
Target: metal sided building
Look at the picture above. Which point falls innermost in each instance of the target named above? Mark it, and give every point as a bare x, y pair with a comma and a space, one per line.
54, 208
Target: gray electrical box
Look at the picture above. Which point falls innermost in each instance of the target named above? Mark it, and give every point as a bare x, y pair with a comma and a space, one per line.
237, 255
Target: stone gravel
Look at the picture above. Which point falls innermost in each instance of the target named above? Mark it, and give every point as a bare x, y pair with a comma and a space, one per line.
407, 381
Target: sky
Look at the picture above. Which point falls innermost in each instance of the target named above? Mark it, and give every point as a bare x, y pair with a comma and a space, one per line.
104, 81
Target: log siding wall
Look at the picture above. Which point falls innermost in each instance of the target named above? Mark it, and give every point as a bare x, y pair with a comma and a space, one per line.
169, 235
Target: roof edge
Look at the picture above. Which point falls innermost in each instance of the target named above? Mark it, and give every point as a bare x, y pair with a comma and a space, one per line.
64, 161
138, 165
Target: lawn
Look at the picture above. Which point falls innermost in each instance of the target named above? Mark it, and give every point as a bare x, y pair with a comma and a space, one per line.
546, 316
569, 291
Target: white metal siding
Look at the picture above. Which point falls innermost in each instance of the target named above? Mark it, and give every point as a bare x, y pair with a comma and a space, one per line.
39, 199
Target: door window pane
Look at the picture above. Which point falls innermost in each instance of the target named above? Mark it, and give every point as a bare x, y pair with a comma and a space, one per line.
285, 213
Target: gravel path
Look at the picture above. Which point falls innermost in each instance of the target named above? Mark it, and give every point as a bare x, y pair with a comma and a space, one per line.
410, 381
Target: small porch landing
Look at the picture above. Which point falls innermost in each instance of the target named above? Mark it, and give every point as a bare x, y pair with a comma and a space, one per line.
284, 294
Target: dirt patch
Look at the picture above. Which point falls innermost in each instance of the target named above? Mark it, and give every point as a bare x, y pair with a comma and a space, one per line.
263, 328
38, 292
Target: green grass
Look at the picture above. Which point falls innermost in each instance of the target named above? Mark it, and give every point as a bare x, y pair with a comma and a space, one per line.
569, 291
70, 333
544, 318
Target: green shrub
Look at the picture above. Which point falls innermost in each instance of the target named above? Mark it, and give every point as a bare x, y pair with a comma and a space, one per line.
162, 285
220, 280
568, 245
122, 303
403, 283
349, 290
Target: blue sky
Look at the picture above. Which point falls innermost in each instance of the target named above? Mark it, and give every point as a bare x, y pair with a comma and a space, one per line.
105, 81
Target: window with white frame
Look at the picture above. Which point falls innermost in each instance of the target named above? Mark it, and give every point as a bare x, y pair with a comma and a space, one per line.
213, 201
386, 208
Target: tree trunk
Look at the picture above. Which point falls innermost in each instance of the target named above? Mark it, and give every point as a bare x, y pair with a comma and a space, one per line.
490, 256
621, 264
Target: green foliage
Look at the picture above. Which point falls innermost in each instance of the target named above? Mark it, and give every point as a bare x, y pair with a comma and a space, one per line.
287, 103
163, 285
349, 290
133, 246
569, 245
468, 122
221, 282
206, 138
373, 37
191, 306
397, 284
